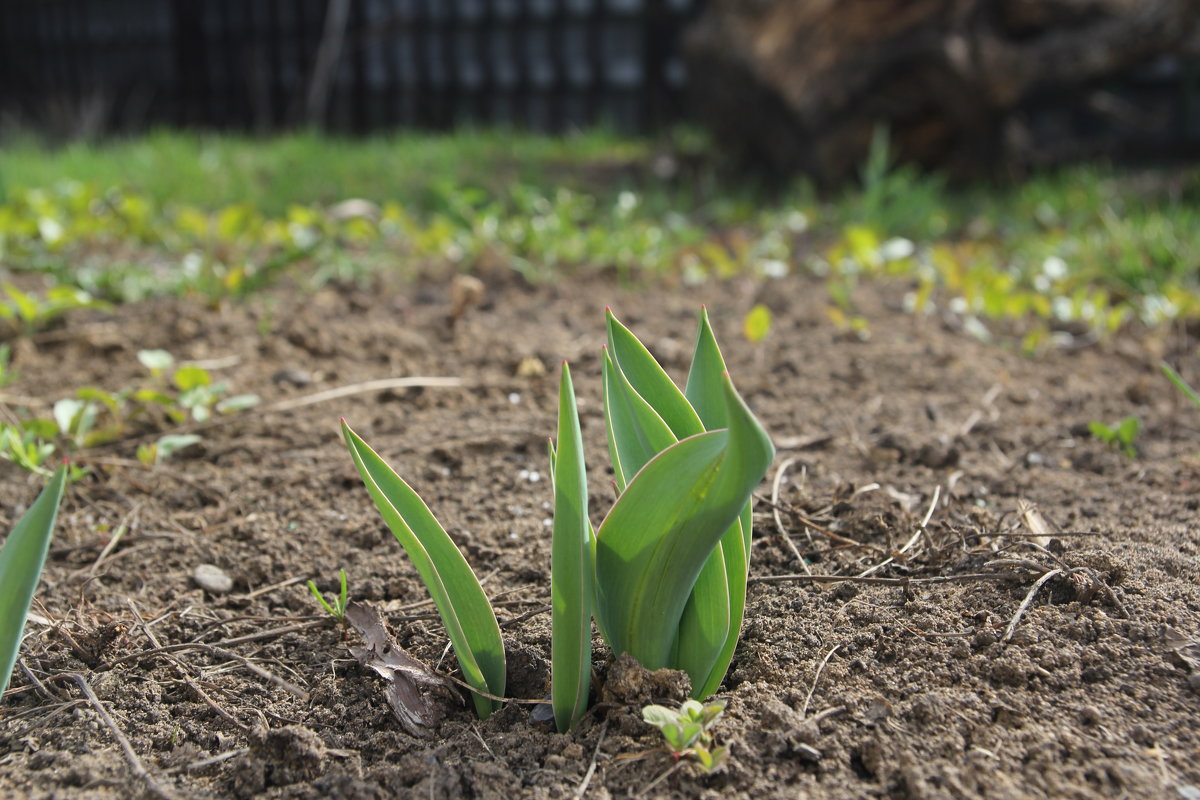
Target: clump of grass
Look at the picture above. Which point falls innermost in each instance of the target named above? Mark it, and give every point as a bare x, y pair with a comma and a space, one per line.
664, 575
336, 609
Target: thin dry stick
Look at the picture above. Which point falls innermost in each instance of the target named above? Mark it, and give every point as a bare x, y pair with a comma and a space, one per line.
668, 773
591, 770
775, 484
252, 637
135, 764
969, 576
123, 528
266, 675
937, 493
379, 385
816, 678
1012, 626
273, 587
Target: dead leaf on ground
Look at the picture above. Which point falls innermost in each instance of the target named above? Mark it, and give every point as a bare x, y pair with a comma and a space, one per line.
416, 693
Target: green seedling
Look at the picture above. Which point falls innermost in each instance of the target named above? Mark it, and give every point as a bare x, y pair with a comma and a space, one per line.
687, 731
664, 575
1121, 435
337, 609
21, 562
25, 446
32, 312
1181, 384
192, 391
7, 374
94, 416
757, 324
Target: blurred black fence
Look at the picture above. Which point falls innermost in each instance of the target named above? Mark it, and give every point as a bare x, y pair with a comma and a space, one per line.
85, 66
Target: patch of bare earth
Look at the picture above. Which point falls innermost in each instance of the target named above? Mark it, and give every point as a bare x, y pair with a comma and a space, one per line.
978, 655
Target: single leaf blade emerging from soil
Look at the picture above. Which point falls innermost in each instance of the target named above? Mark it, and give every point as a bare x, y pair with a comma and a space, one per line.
456, 592
571, 568
21, 562
705, 390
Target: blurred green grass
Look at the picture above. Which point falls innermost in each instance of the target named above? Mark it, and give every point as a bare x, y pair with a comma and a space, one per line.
1089, 245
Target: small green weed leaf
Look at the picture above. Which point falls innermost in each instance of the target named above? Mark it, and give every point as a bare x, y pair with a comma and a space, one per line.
658, 716
157, 361
107, 399
571, 568
239, 402
711, 760
1128, 430
189, 377
21, 562
1101, 431
673, 733
65, 413
711, 713
757, 324
456, 592
172, 443
24, 305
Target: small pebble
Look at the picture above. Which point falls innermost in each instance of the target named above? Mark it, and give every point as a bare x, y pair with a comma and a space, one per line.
293, 375
212, 579
808, 753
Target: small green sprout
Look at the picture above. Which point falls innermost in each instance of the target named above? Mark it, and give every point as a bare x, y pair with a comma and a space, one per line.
7, 373
1181, 384
1121, 435
21, 562
757, 324
337, 609
687, 731
663, 576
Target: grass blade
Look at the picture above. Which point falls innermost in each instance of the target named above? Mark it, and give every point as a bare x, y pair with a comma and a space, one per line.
654, 542
456, 592
21, 562
571, 569
1181, 384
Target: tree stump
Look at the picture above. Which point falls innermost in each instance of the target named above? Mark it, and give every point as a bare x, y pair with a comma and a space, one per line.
802, 84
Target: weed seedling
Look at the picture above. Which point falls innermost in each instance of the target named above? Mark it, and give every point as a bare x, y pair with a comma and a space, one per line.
337, 609
686, 730
1121, 435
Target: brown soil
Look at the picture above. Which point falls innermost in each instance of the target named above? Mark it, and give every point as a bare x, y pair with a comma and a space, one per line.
837, 691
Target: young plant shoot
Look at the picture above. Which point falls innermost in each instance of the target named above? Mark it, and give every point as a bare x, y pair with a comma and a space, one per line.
664, 576
456, 592
21, 562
